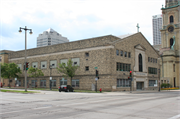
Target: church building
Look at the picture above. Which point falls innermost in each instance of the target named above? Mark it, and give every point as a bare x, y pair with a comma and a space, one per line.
170, 37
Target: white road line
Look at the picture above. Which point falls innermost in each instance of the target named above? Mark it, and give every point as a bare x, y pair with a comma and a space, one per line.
175, 117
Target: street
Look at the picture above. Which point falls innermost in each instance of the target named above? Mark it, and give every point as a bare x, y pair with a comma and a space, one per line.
72, 105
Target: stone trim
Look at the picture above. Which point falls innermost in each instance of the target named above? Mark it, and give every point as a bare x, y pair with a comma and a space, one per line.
66, 52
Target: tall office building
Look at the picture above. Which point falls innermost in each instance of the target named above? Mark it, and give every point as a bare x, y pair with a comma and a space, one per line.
157, 26
50, 37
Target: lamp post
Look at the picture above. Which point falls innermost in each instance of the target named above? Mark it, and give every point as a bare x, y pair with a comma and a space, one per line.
50, 77
25, 74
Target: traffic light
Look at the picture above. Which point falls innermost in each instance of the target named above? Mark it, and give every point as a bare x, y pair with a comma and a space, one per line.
130, 74
96, 73
27, 65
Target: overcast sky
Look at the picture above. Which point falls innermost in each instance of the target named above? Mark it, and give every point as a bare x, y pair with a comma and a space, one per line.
74, 19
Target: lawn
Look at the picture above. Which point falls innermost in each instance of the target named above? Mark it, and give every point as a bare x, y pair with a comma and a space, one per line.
18, 91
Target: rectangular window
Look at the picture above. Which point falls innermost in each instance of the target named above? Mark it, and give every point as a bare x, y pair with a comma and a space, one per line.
64, 61
125, 54
87, 68
75, 61
53, 64
53, 83
121, 53
117, 52
123, 67
87, 54
34, 83
35, 64
174, 67
129, 54
0, 58
19, 66
63, 82
152, 70
152, 83
43, 83
123, 83
75, 83
43, 64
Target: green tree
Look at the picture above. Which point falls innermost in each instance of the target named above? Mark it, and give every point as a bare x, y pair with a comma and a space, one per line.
68, 70
10, 70
35, 72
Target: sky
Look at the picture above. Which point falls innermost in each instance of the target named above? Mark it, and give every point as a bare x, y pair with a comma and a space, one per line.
74, 19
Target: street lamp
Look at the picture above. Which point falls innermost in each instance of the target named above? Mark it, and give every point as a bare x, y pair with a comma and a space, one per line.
25, 52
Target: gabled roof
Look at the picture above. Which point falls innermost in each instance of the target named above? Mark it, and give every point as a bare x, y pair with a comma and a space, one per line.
140, 47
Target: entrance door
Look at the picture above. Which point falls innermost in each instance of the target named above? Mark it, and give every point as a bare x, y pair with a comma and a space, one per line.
139, 85
174, 82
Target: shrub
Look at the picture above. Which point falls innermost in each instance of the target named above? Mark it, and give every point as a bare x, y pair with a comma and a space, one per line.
165, 85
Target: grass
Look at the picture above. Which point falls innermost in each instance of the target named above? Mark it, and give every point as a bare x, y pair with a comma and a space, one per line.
17, 91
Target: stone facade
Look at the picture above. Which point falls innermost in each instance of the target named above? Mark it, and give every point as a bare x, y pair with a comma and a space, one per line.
170, 37
103, 55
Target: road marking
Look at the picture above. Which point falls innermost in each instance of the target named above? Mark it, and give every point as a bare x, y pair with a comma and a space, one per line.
175, 117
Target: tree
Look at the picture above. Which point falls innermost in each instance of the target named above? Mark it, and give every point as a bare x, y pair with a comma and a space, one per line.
10, 70
35, 72
69, 70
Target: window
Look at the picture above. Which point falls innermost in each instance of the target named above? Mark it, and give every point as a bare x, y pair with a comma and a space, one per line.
63, 82
152, 82
129, 54
35, 64
19, 66
123, 83
152, 70
117, 52
53, 83
64, 61
75, 61
171, 42
87, 68
43, 83
75, 83
34, 83
174, 67
123, 67
121, 53
149, 59
43, 64
171, 19
140, 63
125, 54
0, 58
53, 63
87, 54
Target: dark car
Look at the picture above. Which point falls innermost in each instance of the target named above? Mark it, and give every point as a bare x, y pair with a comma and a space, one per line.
66, 88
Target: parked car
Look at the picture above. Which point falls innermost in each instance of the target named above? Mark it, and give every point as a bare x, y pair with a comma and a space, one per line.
66, 88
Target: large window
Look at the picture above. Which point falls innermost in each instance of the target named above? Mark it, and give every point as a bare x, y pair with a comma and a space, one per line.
140, 63
34, 83
171, 19
171, 42
63, 82
43, 83
152, 70
35, 64
123, 83
75, 83
43, 64
53, 63
53, 83
152, 83
121, 53
123, 67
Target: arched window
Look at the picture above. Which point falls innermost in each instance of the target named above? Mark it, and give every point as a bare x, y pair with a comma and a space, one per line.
171, 42
140, 63
171, 19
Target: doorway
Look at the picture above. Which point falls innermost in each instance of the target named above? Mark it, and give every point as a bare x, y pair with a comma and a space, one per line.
174, 82
139, 85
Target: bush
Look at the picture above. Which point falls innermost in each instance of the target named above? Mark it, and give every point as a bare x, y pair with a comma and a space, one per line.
165, 85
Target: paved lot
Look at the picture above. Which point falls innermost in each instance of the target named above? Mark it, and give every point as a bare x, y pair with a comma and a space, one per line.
112, 105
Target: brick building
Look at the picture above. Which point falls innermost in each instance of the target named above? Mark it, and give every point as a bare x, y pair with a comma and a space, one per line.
113, 56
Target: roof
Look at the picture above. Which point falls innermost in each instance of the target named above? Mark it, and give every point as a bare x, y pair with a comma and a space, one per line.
124, 36
50, 30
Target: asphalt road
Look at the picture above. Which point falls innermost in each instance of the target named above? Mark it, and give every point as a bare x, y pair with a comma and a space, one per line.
71, 105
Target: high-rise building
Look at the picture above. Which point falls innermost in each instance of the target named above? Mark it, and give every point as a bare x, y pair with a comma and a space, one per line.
50, 37
157, 26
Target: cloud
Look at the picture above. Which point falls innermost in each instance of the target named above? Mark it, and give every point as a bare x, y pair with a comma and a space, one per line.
75, 19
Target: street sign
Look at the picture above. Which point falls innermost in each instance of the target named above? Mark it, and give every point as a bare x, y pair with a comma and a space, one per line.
96, 67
